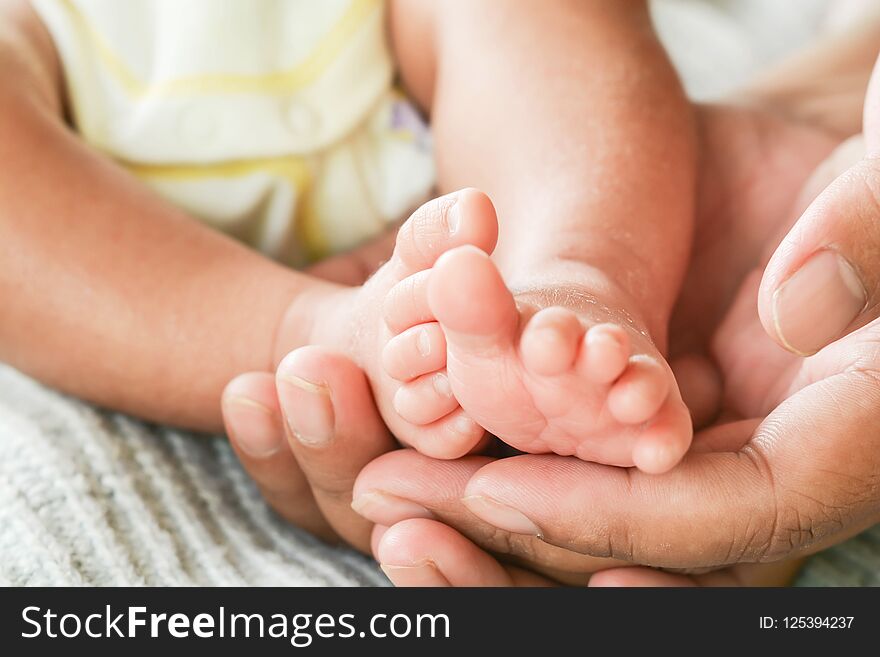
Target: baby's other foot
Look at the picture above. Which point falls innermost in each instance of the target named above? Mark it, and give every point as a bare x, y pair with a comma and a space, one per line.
546, 378
391, 311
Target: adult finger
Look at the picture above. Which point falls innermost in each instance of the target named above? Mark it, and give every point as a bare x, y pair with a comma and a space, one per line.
808, 477
333, 429
823, 281
254, 426
641, 577
780, 574
423, 552
405, 484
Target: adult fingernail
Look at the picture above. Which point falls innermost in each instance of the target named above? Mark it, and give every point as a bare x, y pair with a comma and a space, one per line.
423, 574
815, 305
501, 516
254, 427
310, 416
387, 509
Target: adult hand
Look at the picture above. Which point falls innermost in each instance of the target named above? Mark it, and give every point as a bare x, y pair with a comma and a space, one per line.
824, 279
820, 284
765, 496
304, 435
316, 416
267, 415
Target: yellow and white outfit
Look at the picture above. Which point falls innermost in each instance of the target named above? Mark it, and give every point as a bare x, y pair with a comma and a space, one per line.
275, 121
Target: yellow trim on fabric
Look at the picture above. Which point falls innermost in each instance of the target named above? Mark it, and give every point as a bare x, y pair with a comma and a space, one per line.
293, 169
309, 231
297, 172
279, 82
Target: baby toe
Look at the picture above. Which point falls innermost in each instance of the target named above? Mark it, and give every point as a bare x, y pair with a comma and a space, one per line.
640, 391
469, 298
549, 343
417, 351
425, 400
666, 438
605, 353
450, 437
464, 217
406, 303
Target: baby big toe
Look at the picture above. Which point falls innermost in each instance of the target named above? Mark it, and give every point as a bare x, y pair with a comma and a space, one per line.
417, 351
470, 300
639, 392
464, 217
549, 343
425, 400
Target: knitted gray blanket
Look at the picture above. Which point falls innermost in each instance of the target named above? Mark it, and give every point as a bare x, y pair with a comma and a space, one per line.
89, 497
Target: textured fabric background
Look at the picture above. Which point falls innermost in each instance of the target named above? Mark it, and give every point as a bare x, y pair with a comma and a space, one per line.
91, 497
94, 498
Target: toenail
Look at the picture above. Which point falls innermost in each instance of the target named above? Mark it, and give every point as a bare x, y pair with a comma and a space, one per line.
423, 343
311, 419
549, 335
253, 427
602, 335
657, 457
441, 385
420, 574
453, 217
387, 509
501, 516
464, 425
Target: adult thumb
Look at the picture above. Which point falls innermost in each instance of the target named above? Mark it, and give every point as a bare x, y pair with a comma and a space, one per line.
823, 281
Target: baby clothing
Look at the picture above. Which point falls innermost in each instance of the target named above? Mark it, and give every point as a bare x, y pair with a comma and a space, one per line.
275, 121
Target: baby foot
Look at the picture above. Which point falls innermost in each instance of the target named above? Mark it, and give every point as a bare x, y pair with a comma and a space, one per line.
542, 377
423, 413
